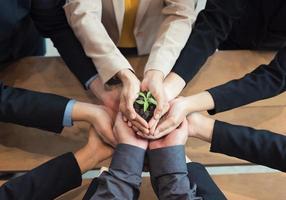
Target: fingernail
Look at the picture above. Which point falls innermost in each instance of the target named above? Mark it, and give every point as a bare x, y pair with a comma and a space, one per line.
139, 133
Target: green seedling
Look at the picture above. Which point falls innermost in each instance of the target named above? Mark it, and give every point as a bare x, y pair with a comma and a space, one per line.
147, 100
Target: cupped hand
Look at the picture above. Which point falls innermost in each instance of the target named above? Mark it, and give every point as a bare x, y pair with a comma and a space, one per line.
173, 118
153, 82
178, 136
125, 135
110, 97
100, 117
130, 91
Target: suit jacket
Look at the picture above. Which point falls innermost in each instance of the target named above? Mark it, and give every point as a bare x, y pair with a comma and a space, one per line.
45, 182
236, 24
202, 181
34, 109
122, 181
258, 146
18, 35
264, 82
161, 29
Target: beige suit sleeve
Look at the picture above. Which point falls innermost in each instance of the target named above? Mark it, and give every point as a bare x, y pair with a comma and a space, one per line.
84, 16
173, 35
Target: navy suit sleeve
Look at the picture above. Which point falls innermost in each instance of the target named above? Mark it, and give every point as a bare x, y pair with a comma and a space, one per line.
264, 82
202, 181
45, 182
33, 109
212, 27
258, 146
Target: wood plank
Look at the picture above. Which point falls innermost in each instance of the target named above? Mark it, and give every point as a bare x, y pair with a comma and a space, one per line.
50, 74
268, 118
228, 65
253, 186
235, 187
22, 149
18, 143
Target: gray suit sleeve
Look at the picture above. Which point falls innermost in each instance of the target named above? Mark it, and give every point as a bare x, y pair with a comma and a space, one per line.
123, 179
169, 174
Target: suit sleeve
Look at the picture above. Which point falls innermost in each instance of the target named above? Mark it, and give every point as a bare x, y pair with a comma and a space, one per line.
169, 174
50, 20
47, 181
85, 19
212, 26
173, 35
202, 181
33, 109
123, 179
258, 146
264, 82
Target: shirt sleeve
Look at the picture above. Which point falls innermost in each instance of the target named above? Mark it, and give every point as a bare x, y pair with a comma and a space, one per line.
123, 179
67, 120
169, 174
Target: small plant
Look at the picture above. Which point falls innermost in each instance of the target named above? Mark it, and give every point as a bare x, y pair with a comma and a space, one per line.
145, 105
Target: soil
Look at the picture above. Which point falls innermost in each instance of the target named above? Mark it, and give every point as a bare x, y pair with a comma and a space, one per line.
140, 110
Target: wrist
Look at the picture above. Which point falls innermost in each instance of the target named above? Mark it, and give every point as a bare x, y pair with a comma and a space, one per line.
86, 159
154, 74
96, 87
82, 111
125, 74
173, 85
201, 127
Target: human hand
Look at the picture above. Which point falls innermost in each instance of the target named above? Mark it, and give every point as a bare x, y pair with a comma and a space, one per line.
100, 117
126, 135
173, 118
109, 97
130, 91
94, 152
173, 85
153, 82
177, 137
200, 127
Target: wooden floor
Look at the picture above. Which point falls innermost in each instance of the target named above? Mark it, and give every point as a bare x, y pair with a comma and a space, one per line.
265, 186
22, 148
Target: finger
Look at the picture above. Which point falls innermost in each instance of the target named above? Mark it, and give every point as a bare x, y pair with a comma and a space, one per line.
141, 121
140, 127
129, 124
125, 119
149, 137
135, 129
152, 122
167, 126
129, 107
153, 126
144, 85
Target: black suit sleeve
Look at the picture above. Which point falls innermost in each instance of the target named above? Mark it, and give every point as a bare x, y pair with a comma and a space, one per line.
202, 181
258, 146
264, 82
212, 26
34, 109
50, 20
45, 182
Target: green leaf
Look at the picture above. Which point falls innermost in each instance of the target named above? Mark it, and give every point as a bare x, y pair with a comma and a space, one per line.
148, 94
146, 105
140, 102
152, 100
142, 95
